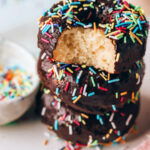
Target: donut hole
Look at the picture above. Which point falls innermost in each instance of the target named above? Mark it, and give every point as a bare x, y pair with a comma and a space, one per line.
84, 46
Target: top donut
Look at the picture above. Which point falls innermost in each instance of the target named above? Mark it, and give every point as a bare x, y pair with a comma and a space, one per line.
109, 35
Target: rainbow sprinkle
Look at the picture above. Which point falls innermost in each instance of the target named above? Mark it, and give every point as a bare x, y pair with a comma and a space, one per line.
93, 86
71, 121
15, 82
122, 19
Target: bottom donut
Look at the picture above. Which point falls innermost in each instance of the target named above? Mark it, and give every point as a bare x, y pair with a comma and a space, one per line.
78, 127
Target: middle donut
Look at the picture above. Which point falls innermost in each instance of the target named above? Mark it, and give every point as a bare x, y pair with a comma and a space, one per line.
88, 89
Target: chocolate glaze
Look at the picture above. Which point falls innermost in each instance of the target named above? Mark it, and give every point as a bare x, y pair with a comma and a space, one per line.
103, 131
129, 53
102, 101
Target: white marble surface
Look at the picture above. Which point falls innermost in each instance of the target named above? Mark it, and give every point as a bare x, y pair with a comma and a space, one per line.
21, 27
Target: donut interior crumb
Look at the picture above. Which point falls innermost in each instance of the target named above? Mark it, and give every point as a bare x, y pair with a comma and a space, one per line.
84, 46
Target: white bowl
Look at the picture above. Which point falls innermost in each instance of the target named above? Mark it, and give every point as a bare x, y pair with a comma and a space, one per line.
13, 54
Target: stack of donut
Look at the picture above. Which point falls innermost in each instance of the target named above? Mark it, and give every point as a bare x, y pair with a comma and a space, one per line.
91, 66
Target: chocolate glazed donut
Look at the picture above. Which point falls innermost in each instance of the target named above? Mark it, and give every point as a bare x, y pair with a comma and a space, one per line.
82, 128
88, 89
106, 34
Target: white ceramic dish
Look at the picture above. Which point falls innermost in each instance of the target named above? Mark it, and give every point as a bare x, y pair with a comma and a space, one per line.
13, 54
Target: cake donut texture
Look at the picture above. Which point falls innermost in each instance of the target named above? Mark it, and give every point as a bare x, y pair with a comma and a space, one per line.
82, 128
107, 34
88, 89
